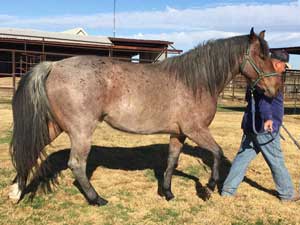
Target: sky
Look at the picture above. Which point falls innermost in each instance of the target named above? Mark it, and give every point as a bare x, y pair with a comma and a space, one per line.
184, 22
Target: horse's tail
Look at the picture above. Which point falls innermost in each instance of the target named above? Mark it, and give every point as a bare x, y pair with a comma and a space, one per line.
31, 114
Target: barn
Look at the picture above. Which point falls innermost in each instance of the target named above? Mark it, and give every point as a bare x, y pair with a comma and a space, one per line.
20, 49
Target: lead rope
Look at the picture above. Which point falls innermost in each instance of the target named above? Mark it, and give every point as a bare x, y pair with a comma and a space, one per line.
253, 112
253, 117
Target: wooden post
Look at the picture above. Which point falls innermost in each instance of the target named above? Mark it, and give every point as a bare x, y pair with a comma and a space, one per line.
43, 51
295, 103
233, 86
26, 58
13, 56
21, 66
295, 96
166, 53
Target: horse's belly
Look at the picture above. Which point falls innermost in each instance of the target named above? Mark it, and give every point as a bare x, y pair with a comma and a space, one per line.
140, 124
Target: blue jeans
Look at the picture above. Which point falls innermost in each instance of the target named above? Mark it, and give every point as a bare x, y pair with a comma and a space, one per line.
270, 147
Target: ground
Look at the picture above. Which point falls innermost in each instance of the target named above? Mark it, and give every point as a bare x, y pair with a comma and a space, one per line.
122, 168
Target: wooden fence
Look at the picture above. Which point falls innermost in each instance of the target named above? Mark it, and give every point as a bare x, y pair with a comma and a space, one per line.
235, 90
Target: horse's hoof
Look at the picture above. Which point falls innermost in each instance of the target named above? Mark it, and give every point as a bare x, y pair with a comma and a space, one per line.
168, 195
160, 192
99, 201
211, 184
207, 195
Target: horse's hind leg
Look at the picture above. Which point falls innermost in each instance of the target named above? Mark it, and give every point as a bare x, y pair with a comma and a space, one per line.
81, 144
176, 143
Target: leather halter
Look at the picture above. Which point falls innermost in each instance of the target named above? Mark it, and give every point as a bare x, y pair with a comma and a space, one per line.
261, 74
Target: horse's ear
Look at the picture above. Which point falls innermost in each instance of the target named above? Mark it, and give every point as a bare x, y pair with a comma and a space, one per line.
262, 34
252, 35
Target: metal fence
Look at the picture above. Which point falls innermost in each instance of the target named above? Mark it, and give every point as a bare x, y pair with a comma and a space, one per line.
235, 90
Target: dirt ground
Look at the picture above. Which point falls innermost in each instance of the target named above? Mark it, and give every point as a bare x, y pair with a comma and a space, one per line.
122, 168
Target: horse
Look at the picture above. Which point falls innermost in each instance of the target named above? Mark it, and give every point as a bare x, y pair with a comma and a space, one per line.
177, 96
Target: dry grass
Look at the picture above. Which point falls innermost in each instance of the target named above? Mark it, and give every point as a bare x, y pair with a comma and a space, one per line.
123, 173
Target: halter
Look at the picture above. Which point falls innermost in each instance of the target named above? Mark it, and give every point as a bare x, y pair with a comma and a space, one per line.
261, 74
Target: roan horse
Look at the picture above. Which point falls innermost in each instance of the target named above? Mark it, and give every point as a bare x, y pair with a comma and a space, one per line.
177, 96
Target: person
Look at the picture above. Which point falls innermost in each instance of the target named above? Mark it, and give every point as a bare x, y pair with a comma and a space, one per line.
263, 136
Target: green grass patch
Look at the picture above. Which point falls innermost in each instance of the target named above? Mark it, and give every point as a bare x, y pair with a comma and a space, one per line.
196, 209
261, 222
70, 190
66, 204
125, 193
6, 176
6, 172
193, 170
196, 170
39, 202
163, 216
3, 219
116, 213
6, 138
149, 173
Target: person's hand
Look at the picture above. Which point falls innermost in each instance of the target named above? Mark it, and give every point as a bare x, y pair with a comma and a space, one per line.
268, 125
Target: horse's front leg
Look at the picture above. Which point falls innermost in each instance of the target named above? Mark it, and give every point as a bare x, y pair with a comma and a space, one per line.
203, 138
81, 145
176, 143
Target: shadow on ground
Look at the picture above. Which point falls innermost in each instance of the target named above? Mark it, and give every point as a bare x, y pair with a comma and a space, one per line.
137, 158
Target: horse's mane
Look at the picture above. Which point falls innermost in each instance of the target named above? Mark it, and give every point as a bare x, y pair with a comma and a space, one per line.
210, 65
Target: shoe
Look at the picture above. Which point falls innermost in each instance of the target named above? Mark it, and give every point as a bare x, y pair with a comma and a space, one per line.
295, 198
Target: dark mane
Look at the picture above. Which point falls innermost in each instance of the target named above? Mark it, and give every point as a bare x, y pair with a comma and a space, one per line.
210, 65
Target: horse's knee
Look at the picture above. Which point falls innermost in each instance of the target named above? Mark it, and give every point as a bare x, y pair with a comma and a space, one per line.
78, 155
75, 165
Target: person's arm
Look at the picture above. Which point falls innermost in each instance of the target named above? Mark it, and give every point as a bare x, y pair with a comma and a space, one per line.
265, 109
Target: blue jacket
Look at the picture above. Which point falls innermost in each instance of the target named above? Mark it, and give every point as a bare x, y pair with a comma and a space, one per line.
265, 109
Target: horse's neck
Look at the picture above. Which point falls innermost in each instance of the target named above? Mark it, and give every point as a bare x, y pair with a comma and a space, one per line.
235, 70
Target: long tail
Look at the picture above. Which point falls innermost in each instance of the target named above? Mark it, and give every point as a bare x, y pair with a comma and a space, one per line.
31, 114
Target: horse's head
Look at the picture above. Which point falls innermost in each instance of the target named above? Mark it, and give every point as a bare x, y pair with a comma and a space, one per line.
257, 66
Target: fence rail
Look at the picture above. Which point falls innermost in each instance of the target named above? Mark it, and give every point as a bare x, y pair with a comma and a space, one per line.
235, 90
